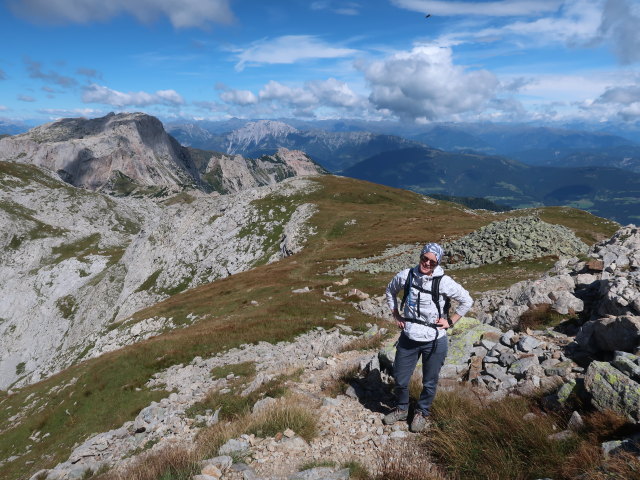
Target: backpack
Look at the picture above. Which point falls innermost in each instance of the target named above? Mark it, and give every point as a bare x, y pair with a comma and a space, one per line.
435, 294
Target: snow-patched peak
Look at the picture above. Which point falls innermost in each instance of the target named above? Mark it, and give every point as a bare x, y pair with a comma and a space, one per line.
254, 133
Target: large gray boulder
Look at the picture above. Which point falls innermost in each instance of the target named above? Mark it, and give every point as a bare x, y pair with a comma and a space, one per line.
612, 389
610, 334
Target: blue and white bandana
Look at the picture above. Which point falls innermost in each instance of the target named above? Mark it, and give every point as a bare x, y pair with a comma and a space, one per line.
433, 248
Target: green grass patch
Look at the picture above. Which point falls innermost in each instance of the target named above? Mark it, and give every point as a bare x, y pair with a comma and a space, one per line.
316, 464
286, 415
150, 282
233, 405
182, 198
244, 369
501, 275
76, 249
67, 306
542, 316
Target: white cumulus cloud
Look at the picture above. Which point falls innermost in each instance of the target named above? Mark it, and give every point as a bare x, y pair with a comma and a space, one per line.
624, 100
424, 84
327, 95
181, 13
620, 20
289, 49
100, 94
239, 97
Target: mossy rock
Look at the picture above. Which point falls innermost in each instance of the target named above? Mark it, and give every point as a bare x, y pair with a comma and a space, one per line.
611, 389
465, 333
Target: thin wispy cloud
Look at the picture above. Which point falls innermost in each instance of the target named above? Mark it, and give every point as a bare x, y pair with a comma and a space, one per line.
341, 8
88, 72
575, 25
100, 94
71, 112
35, 71
289, 49
181, 13
506, 8
26, 98
3, 76
621, 95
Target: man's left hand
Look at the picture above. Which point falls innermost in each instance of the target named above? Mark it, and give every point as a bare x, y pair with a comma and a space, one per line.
443, 323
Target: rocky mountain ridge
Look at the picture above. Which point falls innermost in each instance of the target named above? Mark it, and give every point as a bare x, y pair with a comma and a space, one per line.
122, 153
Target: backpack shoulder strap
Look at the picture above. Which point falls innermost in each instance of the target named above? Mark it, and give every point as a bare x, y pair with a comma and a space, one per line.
407, 287
435, 293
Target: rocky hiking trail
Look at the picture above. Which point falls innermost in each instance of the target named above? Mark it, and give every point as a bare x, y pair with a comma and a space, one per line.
348, 430
349, 424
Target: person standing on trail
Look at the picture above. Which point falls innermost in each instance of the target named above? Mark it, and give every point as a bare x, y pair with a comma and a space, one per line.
424, 323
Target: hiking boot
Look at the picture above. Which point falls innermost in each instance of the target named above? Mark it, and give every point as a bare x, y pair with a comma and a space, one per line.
394, 416
420, 423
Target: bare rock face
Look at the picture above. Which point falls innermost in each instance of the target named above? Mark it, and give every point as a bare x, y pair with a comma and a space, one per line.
131, 154
233, 173
75, 263
87, 153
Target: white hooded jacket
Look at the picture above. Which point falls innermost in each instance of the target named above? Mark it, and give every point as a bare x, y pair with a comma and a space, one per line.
428, 310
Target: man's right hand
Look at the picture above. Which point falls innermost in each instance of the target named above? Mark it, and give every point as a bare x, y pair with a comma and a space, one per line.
398, 318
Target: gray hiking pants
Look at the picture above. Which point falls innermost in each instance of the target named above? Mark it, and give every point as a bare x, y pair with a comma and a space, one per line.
407, 354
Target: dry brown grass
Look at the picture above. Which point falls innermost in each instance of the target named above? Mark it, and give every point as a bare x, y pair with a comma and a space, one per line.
170, 463
288, 412
337, 384
406, 459
373, 342
295, 413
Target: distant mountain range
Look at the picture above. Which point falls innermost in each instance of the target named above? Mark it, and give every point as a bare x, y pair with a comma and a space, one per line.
595, 171
337, 145
603, 191
537, 145
333, 150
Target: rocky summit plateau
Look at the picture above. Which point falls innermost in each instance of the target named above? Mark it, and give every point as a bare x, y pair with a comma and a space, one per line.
174, 313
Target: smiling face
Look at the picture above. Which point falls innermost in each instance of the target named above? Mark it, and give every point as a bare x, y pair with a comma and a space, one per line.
428, 263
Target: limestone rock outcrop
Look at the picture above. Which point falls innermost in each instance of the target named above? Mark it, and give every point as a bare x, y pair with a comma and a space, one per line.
513, 239
131, 154
86, 153
75, 263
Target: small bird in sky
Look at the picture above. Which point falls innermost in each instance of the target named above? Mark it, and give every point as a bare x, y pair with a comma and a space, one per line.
427, 15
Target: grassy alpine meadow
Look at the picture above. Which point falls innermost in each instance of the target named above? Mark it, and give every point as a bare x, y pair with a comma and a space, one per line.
42, 422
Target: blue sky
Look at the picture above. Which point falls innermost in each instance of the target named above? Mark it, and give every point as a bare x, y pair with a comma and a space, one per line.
504, 61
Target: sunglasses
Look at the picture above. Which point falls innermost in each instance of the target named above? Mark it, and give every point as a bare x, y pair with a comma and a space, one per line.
425, 259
